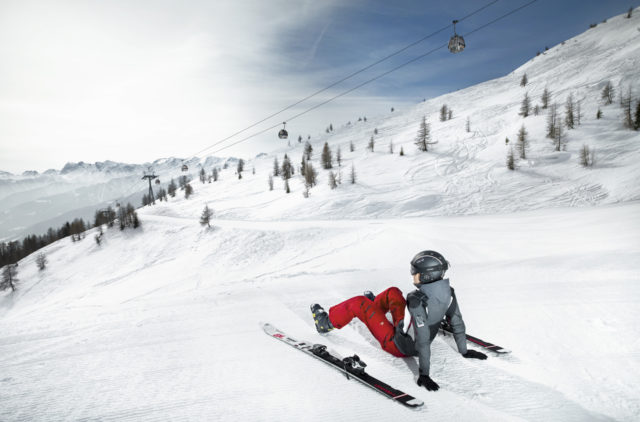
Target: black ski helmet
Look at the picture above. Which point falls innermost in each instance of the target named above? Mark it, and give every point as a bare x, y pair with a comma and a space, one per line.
430, 265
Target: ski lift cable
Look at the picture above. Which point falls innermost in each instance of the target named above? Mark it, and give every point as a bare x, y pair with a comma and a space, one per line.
375, 78
361, 84
351, 75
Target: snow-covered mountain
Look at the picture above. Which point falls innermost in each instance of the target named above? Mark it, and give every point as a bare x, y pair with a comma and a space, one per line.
164, 322
33, 202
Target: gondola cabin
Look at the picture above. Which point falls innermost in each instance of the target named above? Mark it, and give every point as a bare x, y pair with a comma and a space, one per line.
456, 43
283, 134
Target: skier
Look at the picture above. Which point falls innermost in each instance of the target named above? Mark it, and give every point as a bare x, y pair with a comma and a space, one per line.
411, 333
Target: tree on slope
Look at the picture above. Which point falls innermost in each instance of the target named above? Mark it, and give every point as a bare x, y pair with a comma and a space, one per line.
423, 139
636, 124
525, 106
171, 189
326, 157
546, 96
372, 144
41, 261
308, 151
9, 277
627, 118
569, 117
205, 218
240, 168
608, 93
552, 121
523, 142
287, 168
511, 161
524, 80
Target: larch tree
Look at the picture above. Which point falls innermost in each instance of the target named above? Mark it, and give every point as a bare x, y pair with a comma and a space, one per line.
205, 218
423, 139
523, 142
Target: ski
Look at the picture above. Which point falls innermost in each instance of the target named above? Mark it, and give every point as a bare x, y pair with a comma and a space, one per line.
446, 329
351, 367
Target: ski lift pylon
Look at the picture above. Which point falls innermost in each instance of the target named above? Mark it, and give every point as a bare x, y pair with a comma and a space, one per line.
283, 133
456, 43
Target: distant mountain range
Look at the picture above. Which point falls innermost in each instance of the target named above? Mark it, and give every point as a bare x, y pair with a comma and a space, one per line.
32, 202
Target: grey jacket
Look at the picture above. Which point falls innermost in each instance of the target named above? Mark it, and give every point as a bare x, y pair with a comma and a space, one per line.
427, 307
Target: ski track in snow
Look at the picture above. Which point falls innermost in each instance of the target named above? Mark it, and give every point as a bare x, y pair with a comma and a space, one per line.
183, 342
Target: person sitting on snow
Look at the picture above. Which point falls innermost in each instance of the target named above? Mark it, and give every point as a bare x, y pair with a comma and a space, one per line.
410, 333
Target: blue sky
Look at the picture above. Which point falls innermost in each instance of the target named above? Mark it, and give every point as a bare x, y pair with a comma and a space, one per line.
133, 81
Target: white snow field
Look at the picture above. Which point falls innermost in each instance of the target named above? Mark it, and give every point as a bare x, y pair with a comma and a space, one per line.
163, 322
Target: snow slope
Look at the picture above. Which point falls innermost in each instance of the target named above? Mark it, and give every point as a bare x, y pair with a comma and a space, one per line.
163, 323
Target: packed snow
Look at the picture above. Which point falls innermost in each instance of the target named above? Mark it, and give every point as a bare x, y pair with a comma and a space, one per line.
164, 322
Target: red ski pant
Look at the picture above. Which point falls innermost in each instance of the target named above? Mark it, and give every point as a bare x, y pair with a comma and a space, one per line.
373, 315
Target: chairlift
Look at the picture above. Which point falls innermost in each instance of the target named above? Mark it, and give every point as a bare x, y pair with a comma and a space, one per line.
283, 133
456, 43
157, 181
185, 167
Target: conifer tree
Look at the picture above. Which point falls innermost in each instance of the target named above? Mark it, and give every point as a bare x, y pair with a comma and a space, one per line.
552, 121
188, 190
270, 182
627, 118
468, 125
203, 175
391, 147
524, 80
308, 150
525, 107
332, 180
339, 157
371, 144
608, 93
443, 113
351, 146
353, 174
326, 157
423, 139
559, 140
9, 277
523, 143
215, 174
171, 189
569, 116
205, 217
636, 124
276, 167
511, 161
240, 168
286, 186
287, 168
546, 96
41, 261
599, 113
303, 165
310, 174
401, 151
587, 157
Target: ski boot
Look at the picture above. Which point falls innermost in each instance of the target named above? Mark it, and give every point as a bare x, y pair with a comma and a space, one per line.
321, 318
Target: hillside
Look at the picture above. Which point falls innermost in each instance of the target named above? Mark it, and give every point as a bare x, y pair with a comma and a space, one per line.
163, 322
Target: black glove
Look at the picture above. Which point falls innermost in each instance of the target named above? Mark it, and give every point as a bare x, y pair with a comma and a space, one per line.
472, 354
428, 383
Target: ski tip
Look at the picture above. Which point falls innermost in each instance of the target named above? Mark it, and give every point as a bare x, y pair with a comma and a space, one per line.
414, 403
